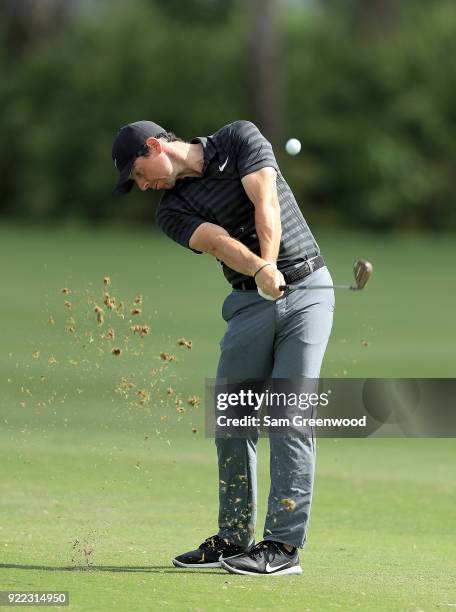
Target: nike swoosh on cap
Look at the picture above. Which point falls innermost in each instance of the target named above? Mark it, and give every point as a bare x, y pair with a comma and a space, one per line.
222, 167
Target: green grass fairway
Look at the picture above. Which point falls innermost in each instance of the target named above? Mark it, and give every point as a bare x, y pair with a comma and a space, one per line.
98, 491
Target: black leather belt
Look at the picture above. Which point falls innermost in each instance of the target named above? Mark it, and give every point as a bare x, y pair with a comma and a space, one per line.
291, 276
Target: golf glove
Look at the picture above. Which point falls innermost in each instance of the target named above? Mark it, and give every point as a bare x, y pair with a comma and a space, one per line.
264, 295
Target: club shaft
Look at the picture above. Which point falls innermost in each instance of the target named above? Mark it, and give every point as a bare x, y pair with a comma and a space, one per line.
362, 270
304, 288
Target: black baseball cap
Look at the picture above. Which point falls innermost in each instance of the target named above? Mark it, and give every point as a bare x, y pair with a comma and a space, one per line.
127, 144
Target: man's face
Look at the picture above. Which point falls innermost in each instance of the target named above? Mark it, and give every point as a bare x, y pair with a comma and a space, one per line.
155, 171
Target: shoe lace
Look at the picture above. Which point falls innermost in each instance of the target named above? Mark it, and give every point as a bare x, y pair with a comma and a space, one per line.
259, 549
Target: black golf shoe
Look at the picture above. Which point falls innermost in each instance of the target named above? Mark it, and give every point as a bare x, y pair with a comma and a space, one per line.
209, 554
267, 558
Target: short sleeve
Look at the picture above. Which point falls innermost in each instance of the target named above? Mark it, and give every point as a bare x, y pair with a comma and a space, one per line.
253, 150
177, 222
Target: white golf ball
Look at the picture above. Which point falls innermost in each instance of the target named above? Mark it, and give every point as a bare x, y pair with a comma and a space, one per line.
293, 146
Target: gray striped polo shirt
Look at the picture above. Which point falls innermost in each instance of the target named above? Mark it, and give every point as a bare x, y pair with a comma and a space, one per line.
218, 196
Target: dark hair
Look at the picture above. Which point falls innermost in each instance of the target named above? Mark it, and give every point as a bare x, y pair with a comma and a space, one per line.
144, 151
169, 137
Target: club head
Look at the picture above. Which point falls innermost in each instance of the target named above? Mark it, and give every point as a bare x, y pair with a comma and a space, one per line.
362, 270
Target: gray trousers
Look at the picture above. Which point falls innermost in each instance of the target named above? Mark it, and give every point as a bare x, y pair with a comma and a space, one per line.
265, 339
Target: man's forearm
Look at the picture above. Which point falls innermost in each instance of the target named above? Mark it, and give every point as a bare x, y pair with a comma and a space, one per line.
261, 188
236, 255
269, 229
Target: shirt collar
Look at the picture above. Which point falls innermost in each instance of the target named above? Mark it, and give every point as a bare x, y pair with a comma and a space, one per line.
209, 150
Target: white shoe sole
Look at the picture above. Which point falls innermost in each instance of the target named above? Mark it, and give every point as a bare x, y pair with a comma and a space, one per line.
177, 563
289, 571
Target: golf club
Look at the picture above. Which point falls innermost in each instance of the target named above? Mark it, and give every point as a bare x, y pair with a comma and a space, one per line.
362, 270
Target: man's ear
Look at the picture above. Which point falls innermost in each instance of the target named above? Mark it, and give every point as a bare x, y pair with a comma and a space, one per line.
154, 144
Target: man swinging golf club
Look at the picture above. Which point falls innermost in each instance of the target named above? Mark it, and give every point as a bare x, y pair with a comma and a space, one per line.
225, 195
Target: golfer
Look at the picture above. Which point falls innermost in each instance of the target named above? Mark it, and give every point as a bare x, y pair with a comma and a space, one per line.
225, 195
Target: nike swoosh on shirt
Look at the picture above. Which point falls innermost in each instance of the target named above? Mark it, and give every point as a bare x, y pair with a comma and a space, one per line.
270, 569
222, 167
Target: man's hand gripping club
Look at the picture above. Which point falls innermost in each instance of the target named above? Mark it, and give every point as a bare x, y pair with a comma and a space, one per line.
213, 239
268, 279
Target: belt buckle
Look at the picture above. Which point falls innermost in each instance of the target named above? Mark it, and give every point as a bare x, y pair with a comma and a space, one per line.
310, 265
